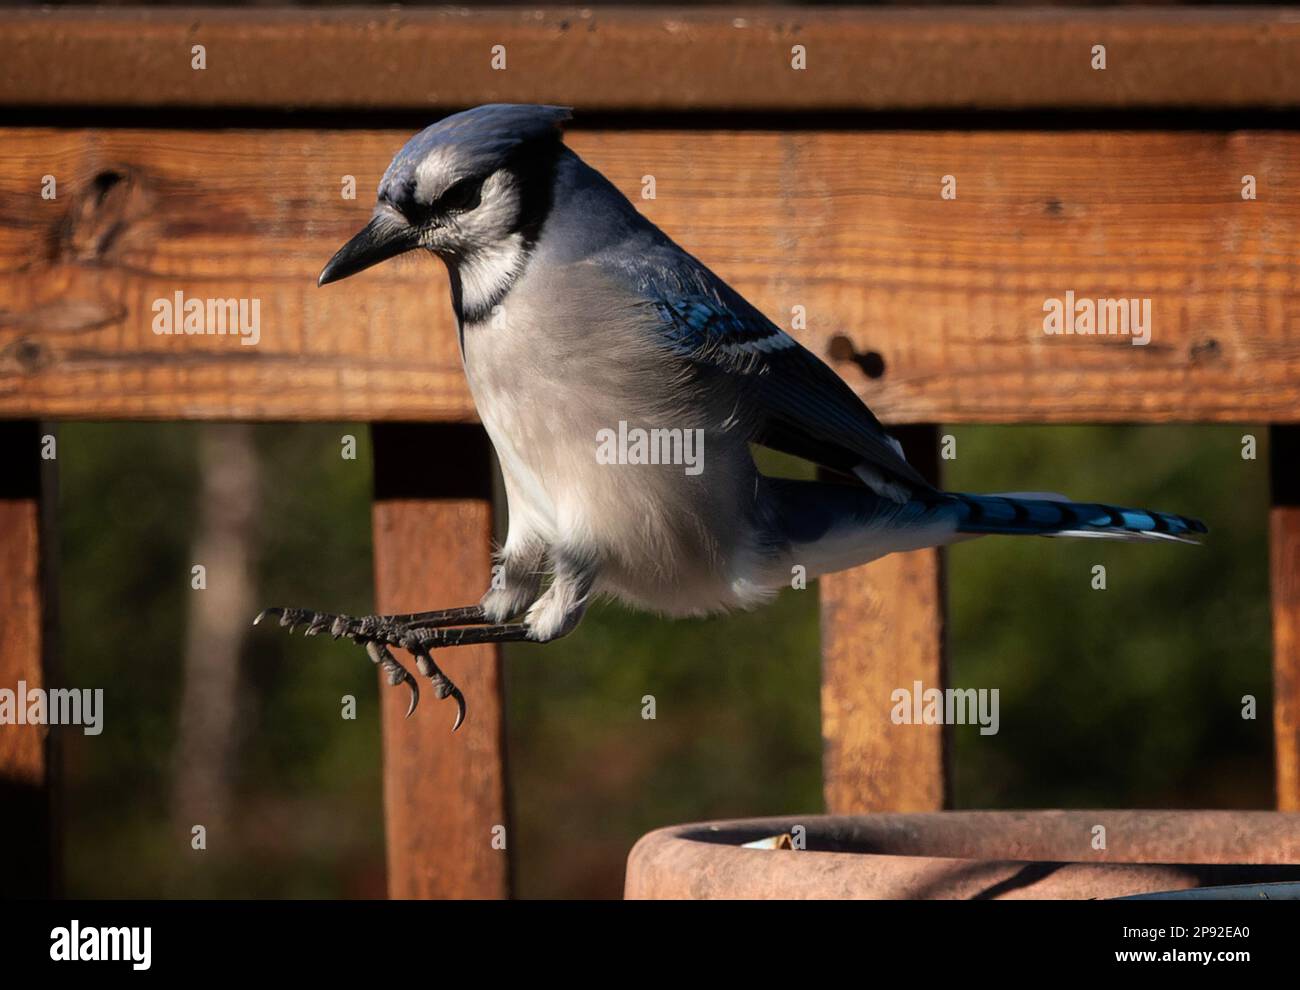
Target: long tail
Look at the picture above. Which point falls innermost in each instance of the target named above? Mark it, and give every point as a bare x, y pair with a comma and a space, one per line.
829, 526
1018, 513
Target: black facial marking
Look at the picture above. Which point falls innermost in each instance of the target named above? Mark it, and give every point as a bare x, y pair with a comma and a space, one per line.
532, 166
536, 172
461, 197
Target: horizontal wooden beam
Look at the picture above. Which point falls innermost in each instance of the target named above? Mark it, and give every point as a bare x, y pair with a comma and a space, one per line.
651, 59
934, 306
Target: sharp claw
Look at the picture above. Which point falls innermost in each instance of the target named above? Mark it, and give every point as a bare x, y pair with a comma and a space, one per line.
397, 674
363, 631
442, 684
460, 707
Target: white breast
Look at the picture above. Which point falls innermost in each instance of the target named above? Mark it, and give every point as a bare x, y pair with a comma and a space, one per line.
665, 540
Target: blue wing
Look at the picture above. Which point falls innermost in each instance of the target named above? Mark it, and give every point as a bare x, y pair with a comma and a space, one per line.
703, 330
803, 407
795, 402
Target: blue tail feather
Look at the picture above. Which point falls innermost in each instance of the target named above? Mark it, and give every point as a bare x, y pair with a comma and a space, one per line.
1009, 514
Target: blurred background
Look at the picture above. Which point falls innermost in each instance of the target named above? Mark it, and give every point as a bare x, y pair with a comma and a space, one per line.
218, 722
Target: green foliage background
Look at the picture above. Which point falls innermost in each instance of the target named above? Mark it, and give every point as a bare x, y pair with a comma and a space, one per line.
1127, 697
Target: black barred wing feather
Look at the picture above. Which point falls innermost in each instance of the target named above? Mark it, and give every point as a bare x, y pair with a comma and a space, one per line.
803, 407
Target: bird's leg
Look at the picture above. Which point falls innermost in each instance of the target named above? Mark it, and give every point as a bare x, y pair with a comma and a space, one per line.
558, 612
434, 638
377, 633
516, 578
516, 584
550, 616
384, 628
416, 632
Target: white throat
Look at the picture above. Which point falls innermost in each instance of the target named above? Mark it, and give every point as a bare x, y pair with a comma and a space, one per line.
487, 274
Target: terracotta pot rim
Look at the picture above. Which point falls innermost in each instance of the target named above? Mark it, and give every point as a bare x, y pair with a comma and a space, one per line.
1133, 836
969, 854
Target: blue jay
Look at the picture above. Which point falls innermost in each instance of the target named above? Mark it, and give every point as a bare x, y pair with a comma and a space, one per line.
579, 319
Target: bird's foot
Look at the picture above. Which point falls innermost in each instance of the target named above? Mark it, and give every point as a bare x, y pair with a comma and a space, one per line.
419, 633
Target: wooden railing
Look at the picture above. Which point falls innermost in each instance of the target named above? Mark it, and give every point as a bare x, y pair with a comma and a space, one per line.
818, 188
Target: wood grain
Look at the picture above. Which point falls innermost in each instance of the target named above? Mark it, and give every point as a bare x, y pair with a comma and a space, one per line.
28, 767
444, 794
948, 294
882, 629
1284, 554
652, 59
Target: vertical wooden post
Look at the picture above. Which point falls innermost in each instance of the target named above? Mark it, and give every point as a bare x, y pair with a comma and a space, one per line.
444, 794
28, 768
883, 629
1284, 557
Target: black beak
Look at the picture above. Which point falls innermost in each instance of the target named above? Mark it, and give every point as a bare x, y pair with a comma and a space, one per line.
385, 236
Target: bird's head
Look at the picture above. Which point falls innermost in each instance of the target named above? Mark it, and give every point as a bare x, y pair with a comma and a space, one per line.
472, 186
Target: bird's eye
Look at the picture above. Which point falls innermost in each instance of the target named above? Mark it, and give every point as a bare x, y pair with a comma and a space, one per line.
461, 197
